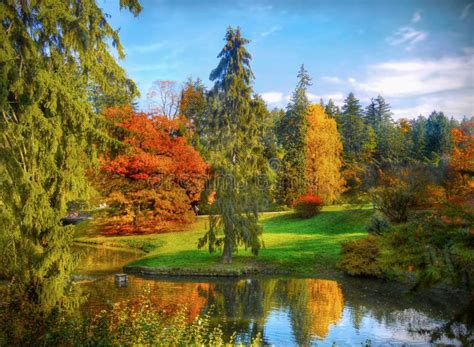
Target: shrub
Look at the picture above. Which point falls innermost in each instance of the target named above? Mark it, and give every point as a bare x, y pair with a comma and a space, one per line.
378, 223
361, 257
394, 201
308, 205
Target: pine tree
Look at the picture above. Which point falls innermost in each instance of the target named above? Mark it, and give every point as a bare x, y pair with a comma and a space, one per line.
236, 153
53, 54
331, 109
358, 138
438, 135
292, 137
417, 137
389, 139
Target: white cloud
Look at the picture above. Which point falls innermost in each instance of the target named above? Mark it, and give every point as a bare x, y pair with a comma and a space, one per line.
456, 104
420, 77
332, 79
416, 17
407, 36
272, 97
351, 80
270, 31
466, 10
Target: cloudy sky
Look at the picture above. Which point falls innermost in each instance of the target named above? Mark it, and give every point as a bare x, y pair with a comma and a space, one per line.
419, 55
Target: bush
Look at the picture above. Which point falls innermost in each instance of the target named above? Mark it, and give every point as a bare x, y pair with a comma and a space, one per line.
394, 202
361, 257
308, 205
378, 223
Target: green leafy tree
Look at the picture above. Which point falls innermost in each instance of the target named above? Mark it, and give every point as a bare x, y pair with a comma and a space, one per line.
291, 131
53, 54
194, 107
236, 153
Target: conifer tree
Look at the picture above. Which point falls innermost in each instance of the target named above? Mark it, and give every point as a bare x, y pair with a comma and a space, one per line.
52, 53
358, 138
389, 139
292, 137
236, 153
438, 135
331, 109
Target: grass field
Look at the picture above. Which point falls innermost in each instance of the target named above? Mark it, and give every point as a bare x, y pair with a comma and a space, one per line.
291, 245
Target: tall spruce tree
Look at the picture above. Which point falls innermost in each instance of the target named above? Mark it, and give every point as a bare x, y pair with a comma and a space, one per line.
358, 138
438, 135
236, 153
52, 53
389, 138
291, 132
331, 109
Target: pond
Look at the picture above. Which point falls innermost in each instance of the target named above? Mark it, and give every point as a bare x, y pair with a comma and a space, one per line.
285, 311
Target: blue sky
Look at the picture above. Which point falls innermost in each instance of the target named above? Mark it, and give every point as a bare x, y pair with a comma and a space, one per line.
418, 54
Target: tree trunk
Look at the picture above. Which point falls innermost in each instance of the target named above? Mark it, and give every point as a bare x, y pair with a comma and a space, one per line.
227, 252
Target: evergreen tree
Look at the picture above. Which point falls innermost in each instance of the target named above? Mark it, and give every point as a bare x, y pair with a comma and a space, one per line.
417, 137
438, 135
331, 109
292, 137
53, 53
358, 138
389, 139
236, 153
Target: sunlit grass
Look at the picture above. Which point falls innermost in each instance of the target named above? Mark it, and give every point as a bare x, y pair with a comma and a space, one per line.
291, 244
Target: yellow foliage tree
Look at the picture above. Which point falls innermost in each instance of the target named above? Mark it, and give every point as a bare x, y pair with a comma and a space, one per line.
324, 156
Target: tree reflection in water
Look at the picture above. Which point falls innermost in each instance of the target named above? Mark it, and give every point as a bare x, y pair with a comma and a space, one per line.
313, 309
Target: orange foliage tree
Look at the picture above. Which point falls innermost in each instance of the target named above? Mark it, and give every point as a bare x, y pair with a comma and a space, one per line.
324, 156
155, 180
462, 162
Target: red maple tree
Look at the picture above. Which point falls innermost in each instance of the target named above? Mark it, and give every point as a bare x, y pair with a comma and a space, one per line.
156, 178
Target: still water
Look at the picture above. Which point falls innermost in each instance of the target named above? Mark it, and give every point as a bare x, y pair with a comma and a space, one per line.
285, 311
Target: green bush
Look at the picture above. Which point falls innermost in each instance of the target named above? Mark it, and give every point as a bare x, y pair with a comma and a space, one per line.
378, 223
361, 257
393, 201
307, 206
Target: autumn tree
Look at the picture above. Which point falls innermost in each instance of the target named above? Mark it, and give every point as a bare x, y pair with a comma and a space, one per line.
236, 153
52, 53
291, 132
324, 156
461, 183
156, 178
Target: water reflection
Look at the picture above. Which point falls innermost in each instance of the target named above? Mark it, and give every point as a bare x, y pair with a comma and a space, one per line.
285, 311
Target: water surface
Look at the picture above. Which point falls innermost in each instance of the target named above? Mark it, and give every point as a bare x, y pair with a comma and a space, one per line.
285, 311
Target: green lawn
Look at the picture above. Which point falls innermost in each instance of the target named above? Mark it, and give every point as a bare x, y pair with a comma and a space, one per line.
292, 245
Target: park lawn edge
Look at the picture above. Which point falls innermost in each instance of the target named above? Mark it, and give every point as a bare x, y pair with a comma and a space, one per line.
300, 247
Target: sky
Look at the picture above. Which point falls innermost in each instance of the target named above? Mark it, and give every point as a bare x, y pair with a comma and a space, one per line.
419, 55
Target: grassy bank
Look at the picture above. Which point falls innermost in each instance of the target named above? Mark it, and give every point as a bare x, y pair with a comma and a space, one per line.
291, 245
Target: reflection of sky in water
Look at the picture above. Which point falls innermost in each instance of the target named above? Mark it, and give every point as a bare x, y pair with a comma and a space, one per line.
285, 311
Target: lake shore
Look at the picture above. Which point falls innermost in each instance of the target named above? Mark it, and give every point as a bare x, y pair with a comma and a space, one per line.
291, 246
